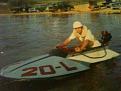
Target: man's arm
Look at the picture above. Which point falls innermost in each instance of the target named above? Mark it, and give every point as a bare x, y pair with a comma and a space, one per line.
64, 44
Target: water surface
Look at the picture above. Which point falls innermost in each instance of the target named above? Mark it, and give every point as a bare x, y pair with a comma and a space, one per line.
23, 37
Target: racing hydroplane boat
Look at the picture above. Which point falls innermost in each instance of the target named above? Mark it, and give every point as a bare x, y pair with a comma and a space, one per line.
54, 65
48, 66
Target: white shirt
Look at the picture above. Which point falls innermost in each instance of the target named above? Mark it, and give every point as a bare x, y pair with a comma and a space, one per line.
85, 35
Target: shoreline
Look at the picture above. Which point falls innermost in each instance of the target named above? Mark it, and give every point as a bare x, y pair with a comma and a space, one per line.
106, 11
77, 9
40, 13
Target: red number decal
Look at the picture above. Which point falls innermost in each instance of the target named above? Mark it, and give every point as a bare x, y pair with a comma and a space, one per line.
67, 67
47, 72
32, 71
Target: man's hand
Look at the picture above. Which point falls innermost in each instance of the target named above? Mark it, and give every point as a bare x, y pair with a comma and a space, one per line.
77, 49
61, 46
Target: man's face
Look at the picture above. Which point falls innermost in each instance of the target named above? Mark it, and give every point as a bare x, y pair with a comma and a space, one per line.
79, 30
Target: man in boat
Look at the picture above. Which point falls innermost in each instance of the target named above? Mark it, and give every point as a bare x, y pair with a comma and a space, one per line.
83, 35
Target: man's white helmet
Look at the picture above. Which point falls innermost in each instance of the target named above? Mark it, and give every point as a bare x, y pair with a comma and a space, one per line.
77, 24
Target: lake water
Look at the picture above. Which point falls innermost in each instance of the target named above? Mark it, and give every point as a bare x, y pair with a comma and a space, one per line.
23, 37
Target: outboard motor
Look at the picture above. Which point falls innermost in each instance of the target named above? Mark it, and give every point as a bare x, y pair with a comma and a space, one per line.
105, 37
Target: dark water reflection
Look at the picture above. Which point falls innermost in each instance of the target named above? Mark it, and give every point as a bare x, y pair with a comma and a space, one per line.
23, 37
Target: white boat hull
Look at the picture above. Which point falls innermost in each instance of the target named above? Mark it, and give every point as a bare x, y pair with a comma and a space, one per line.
47, 66
94, 56
42, 67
